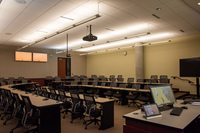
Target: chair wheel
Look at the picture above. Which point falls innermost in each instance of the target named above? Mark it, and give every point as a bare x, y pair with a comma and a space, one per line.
4, 123
85, 127
84, 122
11, 131
71, 121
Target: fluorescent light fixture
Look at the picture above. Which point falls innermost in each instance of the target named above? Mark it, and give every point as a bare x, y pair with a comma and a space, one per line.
156, 42
63, 30
123, 31
130, 41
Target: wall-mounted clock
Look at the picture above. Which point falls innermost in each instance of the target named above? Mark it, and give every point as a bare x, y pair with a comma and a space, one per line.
124, 53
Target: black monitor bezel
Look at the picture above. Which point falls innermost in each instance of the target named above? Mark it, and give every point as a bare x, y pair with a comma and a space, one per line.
170, 103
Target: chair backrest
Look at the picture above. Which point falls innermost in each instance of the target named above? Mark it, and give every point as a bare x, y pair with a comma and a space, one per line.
120, 79
112, 79
62, 95
28, 108
104, 79
17, 104
20, 78
10, 82
119, 76
103, 83
95, 79
130, 80
101, 76
28, 111
48, 77
11, 78
93, 76
24, 81
2, 83
77, 80
2, 79
82, 76
89, 103
57, 78
122, 85
94, 83
74, 83
85, 80
75, 101
112, 76
113, 84
44, 92
67, 77
154, 76
84, 83
136, 86
164, 79
75, 77
146, 87
53, 94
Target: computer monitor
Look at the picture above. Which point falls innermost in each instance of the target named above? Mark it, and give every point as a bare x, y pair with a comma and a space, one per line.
163, 96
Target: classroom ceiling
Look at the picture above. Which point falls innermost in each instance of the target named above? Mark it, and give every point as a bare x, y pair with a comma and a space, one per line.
38, 23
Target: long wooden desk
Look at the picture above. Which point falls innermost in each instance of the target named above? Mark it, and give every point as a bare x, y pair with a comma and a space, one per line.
107, 107
135, 122
49, 110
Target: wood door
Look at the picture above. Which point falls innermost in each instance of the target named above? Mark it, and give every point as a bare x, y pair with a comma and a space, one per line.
62, 67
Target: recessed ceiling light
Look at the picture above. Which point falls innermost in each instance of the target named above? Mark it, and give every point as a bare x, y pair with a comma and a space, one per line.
199, 3
21, 1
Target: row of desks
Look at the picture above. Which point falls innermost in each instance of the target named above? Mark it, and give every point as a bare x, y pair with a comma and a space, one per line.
50, 109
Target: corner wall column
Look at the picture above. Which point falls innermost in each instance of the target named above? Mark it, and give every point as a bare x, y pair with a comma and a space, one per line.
139, 61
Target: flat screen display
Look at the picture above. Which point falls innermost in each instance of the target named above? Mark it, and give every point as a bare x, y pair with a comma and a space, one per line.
162, 95
151, 110
23, 56
40, 57
190, 67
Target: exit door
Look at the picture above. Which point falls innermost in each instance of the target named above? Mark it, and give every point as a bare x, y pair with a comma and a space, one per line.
64, 67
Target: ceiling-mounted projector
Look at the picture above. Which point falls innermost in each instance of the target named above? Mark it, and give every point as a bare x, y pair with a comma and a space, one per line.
90, 37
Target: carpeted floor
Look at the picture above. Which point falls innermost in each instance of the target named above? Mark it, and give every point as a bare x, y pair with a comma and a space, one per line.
77, 126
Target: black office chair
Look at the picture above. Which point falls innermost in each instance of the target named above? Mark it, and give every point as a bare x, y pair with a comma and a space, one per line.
11, 80
9, 108
164, 79
74, 87
129, 84
81, 89
133, 95
53, 94
154, 79
30, 115
66, 104
18, 111
90, 90
77, 107
2, 83
37, 89
109, 92
145, 97
118, 93
45, 93
8, 105
91, 111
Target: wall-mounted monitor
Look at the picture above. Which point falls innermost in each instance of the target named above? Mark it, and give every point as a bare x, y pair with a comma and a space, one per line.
23, 56
190, 67
40, 57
